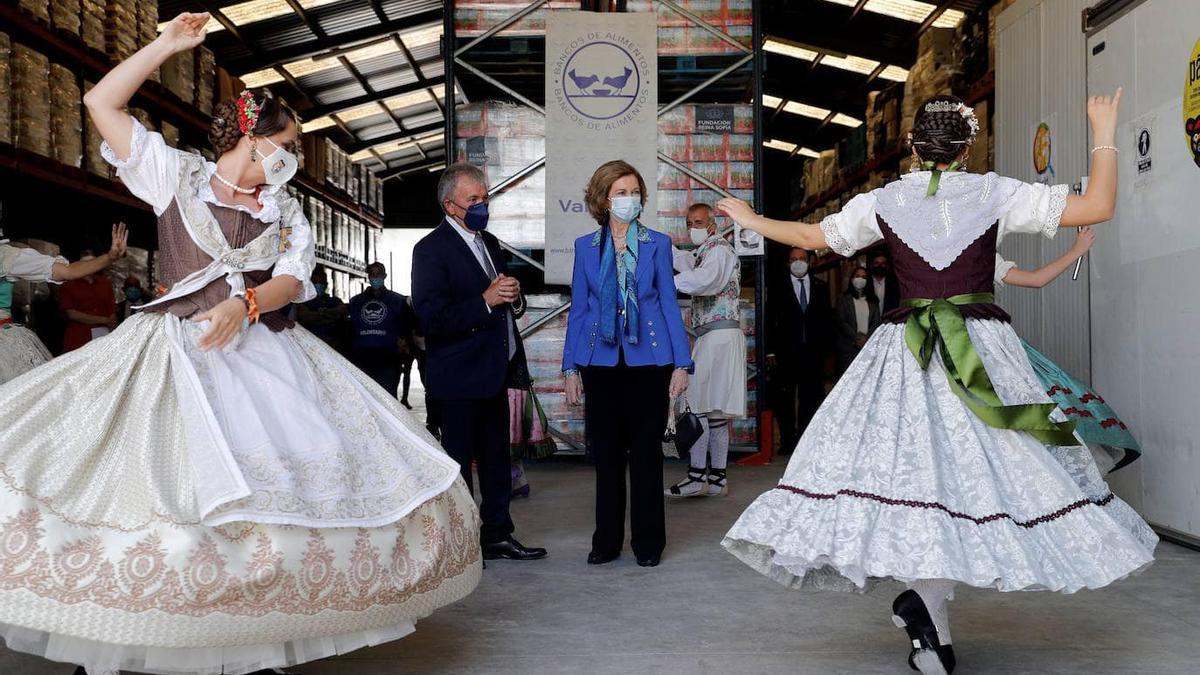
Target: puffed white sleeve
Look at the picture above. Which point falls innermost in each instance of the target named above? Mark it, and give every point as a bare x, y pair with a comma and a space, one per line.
29, 265
1034, 209
853, 228
1003, 267
300, 257
152, 170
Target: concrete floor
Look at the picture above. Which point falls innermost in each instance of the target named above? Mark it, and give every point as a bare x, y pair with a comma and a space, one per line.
701, 611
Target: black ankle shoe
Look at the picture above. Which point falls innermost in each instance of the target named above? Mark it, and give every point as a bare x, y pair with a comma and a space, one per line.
928, 655
596, 558
649, 561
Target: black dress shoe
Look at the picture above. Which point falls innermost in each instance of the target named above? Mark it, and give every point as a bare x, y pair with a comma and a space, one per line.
928, 655
649, 560
595, 558
511, 549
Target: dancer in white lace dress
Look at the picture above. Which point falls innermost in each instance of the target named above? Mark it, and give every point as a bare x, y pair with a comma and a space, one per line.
20, 348
938, 458
210, 489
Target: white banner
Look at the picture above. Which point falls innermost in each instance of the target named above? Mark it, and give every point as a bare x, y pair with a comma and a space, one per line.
601, 104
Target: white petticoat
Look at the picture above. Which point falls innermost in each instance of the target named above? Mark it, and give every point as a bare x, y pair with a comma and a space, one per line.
20, 351
168, 510
719, 382
895, 477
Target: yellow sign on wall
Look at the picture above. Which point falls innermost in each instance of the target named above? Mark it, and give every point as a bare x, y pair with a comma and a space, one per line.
1191, 104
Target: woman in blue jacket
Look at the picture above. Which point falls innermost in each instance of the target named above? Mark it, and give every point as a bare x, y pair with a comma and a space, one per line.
627, 347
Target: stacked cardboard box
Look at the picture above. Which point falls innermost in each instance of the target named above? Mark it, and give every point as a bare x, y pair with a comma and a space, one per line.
121, 29
66, 116
206, 77
6, 92
91, 24
931, 75
31, 109
147, 28
65, 16
821, 173
93, 160
179, 76
40, 9
883, 121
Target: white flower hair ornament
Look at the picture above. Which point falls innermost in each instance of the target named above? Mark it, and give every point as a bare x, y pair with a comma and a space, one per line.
967, 112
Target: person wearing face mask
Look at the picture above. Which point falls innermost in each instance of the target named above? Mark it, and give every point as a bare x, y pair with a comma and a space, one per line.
132, 295
467, 307
261, 502
325, 315
628, 350
381, 322
857, 318
883, 286
712, 275
799, 335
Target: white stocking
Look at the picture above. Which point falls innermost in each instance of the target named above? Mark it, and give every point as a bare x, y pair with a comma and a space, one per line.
718, 441
934, 593
699, 451
98, 670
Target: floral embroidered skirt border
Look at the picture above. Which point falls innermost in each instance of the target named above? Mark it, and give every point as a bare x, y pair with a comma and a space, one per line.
160, 513
896, 478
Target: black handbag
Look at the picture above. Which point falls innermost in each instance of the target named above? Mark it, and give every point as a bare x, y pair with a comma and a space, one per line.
684, 430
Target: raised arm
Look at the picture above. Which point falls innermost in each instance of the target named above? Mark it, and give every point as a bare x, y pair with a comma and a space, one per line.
1044, 275
1099, 204
107, 100
83, 268
805, 235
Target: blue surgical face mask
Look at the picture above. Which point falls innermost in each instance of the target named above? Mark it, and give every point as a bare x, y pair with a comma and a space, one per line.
320, 288
6, 290
476, 218
626, 209
376, 283
133, 293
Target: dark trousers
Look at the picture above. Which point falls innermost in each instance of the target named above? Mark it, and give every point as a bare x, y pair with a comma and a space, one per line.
478, 430
626, 415
798, 394
432, 422
406, 366
381, 365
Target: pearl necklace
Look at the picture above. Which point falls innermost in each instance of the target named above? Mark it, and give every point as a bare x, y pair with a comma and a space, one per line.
233, 186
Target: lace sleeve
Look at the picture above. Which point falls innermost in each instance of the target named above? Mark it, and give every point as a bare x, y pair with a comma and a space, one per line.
1035, 209
30, 265
300, 257
1003, 267
151, 170
853, 228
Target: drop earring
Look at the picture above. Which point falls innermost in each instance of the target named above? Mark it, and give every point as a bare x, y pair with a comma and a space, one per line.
253, 150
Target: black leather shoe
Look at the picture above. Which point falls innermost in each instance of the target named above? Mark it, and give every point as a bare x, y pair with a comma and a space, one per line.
928, 655
511, 549
595, 558
649, 560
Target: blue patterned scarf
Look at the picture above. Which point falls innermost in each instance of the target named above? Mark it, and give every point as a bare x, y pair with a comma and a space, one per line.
619, 280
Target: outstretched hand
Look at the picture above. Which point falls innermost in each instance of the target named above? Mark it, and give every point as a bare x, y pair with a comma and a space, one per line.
120, 242
185, 31
738, 211
1103, 113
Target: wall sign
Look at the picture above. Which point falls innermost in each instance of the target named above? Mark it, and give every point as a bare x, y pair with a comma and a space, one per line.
1191, 104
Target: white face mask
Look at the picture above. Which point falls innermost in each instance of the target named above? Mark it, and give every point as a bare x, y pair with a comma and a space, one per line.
799, 268
858, 283
698, 236
280, 166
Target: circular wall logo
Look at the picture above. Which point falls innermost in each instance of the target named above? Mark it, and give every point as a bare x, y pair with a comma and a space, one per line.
601, 80
374, 312
1041, 148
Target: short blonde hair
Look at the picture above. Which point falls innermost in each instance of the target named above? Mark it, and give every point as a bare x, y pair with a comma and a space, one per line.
596, 194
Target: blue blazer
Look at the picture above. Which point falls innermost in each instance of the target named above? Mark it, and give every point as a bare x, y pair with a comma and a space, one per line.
662, 339
466, 345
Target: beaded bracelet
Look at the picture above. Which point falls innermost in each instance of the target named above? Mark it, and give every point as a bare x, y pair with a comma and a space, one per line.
251, 300
1106, 147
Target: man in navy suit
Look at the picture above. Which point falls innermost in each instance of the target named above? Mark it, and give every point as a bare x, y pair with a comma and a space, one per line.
467, 308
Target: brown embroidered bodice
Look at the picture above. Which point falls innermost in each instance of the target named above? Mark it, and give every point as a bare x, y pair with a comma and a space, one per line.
972, 272
179, 256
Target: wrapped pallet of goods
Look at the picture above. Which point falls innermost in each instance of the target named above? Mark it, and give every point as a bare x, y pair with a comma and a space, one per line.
64, 15
40, 9
331, 175
206, 77
91, 23
883, 121
66, 116
31, 100
6, 92
93, 159
120, 29
179, 76
932, 74
147, 28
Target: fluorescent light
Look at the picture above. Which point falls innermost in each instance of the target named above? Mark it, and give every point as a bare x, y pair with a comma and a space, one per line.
805, 110
412, 39
394, 146
855, 64
367, 110
439, 167
779, 145
809, 152
256, 10
909, 10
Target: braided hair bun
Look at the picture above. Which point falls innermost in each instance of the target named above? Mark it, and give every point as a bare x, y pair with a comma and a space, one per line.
941, 132
225, 130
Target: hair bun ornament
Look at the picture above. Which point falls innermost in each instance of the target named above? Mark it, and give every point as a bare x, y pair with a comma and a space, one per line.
247, 111
967, 113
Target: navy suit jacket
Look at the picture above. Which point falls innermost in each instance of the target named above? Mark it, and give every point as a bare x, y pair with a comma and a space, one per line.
466, 345
662, 339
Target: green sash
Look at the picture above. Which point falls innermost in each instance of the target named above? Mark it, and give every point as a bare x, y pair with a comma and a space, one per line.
938, 324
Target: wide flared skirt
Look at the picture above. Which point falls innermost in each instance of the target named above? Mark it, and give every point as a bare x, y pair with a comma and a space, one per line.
168, 510
20, 351
719, 382
896, 478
